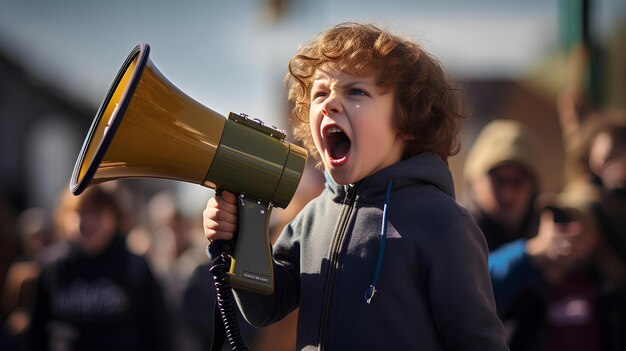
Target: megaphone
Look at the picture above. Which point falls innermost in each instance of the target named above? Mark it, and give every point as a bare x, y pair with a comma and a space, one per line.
147, 127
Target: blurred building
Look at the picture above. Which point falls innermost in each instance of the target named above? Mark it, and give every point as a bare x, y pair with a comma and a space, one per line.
41, 131
42, 126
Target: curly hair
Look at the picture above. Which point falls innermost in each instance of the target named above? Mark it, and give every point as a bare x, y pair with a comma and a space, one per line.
426, 107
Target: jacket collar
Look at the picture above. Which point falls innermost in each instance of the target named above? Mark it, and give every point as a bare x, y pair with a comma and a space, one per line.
422, 168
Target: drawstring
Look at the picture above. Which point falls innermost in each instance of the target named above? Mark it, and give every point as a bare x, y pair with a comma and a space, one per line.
369, 293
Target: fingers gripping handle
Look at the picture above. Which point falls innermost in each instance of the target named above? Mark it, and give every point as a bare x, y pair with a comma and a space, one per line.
251, 265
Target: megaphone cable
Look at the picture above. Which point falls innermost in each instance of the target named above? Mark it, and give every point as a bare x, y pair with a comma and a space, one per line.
226, 299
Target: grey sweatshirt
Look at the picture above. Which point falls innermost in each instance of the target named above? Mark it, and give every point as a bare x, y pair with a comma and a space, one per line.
434, 291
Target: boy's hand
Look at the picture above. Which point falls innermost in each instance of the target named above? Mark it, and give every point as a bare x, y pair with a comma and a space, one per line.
220, 217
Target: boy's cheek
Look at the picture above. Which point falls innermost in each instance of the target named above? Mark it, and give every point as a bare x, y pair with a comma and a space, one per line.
316, 136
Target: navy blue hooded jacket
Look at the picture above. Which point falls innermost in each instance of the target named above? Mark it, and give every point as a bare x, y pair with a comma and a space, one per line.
434, 291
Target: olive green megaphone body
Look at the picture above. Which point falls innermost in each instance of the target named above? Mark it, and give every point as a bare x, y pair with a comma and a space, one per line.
146, 127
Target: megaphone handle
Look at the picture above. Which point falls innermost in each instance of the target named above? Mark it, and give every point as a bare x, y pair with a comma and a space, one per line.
251, 265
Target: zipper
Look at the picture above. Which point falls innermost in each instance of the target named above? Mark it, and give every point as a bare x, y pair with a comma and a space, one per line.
338, 238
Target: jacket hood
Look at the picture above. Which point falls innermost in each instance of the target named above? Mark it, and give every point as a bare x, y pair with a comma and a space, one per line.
425, 168
502, 141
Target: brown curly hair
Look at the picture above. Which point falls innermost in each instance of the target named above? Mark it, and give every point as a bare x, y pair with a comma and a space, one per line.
426, 107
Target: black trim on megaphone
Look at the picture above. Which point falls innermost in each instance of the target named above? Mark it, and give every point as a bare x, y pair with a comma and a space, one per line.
143, 50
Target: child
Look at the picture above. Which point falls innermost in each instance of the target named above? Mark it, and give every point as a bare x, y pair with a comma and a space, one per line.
384, 258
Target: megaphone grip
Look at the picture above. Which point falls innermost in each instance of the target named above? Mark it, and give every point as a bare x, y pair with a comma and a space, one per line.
251, 264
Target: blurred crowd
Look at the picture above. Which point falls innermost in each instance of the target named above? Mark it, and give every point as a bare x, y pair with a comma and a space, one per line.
114, 269
557, 261
111, 270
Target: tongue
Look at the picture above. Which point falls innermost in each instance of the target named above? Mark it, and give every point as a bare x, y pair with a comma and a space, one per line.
340, 149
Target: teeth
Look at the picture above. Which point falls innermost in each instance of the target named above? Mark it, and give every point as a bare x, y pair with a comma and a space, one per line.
333, 130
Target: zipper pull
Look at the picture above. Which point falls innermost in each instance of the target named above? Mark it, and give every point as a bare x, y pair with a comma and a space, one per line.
348, 198
369, 294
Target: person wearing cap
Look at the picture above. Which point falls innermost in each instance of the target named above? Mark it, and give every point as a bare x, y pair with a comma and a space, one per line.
502, 181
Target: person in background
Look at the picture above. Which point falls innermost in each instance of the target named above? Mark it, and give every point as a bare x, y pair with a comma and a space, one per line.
603, 160
595, 144
35, 231
8, 252
175, 252
96, 295
544, 286
502, 181
552, 290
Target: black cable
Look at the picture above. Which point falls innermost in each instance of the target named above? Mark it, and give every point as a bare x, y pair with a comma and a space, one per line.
226, 302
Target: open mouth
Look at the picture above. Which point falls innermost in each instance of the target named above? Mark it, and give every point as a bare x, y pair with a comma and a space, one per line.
337, 143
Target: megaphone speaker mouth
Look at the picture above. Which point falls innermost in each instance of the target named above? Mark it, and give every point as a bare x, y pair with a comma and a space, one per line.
147, 127
108, 118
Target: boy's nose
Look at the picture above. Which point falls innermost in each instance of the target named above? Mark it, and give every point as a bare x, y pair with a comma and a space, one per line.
331, 105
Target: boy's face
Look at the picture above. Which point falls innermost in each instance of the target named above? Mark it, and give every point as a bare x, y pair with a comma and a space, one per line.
351, 121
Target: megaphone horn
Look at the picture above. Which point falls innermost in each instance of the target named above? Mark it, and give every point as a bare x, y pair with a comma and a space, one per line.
147, 127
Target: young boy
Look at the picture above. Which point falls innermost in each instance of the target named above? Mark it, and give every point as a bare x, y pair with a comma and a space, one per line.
384, 258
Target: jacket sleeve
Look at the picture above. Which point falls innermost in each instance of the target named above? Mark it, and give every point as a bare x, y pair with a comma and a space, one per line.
460, 289
511, 272
262, 310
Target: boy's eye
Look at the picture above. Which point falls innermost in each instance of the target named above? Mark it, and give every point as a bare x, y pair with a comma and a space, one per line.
355, 91
317, 94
